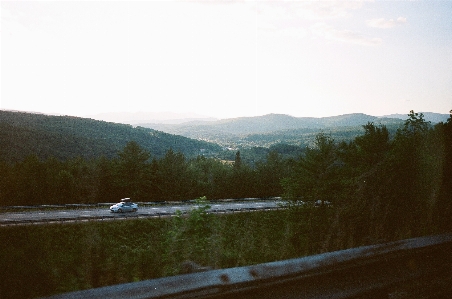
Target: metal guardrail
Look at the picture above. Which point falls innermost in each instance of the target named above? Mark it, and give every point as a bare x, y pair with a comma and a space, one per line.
413, 268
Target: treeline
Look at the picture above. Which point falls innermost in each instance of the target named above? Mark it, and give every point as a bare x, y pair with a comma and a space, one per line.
135, 174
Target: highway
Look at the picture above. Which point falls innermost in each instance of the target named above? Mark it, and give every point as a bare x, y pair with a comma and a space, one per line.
103, 212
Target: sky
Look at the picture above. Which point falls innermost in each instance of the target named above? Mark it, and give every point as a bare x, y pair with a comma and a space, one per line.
227, 59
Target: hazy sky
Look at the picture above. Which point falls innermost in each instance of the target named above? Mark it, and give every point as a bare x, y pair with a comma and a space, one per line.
227, 59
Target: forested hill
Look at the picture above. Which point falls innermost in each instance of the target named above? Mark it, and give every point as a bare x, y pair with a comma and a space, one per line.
63, 137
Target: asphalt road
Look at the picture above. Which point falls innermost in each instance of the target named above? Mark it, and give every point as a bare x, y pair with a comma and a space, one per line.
103, 213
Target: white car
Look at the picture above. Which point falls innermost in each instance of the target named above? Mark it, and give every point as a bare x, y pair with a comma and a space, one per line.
124, 207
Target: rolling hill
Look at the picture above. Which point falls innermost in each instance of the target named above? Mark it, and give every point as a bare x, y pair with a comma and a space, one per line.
63, 137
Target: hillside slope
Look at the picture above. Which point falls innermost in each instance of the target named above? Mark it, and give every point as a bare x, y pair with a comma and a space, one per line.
23, 134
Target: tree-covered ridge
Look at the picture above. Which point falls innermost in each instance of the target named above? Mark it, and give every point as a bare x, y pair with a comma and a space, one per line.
63, 137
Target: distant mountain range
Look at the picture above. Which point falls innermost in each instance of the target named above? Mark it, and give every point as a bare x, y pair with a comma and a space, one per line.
267, 123
64, 137
276, 122
155, 119
273, 128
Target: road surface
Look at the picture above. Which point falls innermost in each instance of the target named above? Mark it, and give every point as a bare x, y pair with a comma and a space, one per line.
103, 213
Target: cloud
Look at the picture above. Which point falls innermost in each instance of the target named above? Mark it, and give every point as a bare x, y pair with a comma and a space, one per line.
385, 24
348, 36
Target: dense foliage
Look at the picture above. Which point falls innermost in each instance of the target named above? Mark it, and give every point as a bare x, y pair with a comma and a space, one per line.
381, 187
133, 173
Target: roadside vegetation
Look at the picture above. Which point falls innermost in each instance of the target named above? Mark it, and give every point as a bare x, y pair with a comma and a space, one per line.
41, 260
